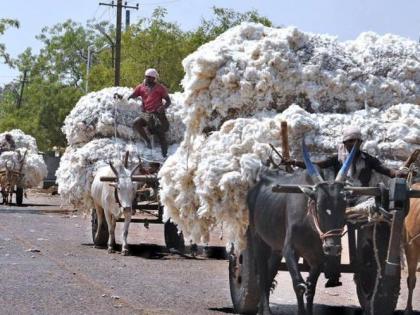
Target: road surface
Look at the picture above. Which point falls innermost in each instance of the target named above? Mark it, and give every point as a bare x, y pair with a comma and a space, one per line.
48, 265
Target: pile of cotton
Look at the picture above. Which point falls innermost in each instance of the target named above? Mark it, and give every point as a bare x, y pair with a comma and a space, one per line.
24, 159
252, 68
103, 115
244, 83
99, 130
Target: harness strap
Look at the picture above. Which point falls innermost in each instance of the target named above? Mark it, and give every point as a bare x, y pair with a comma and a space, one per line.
410, 242
322, 235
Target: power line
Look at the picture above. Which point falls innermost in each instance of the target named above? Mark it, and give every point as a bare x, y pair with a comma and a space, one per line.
159, 3
119, 6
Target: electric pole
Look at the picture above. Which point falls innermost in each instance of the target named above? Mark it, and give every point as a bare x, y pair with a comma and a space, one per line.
119, 6
22, 87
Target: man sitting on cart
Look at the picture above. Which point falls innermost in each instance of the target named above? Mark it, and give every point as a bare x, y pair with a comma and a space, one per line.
7, 144
153, 94
359, 174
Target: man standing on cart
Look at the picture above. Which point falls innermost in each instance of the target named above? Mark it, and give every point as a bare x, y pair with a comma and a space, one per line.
155, 100
359, 174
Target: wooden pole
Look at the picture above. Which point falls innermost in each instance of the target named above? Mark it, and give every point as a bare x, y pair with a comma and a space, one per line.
285, 145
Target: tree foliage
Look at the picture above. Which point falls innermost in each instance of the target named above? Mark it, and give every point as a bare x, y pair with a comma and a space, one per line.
4, 25
58, 76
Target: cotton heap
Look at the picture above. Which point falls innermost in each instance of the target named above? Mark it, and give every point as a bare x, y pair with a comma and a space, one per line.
239, 87
33, 169
98, 130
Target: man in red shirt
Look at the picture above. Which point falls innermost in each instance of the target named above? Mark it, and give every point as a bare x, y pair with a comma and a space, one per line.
153, 108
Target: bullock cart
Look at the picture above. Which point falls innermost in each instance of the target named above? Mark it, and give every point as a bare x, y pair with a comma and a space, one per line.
373, 244
11, 178
147, 208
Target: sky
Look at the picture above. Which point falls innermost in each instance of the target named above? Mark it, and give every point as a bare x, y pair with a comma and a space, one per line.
344, 19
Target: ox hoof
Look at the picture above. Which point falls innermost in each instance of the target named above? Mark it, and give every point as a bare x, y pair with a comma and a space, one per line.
111, 250
124, 252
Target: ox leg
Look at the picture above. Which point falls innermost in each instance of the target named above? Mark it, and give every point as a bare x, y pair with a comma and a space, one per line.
111, 229
412, 259
263, 253
299, 285
100, 217
311, 283
127, 219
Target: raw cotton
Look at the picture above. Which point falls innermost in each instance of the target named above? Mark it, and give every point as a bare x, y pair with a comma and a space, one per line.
102, 115
99, 130
33, 169
252, 68
239, 87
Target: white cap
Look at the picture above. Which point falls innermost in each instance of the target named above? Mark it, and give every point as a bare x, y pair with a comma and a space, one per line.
352, 133
151, 73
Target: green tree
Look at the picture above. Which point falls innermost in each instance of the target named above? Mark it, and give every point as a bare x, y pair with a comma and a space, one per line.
4, 25
222, 20
56, 77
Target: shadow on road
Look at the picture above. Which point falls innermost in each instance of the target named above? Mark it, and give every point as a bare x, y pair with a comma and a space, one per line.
319, 309
153, 251
30, 209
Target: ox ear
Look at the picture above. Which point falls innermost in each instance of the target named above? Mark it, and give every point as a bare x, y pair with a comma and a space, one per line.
308, 191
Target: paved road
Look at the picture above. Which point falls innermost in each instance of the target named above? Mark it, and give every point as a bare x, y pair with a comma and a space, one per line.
49, 266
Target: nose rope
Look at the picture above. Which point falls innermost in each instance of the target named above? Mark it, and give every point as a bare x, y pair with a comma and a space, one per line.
334, 232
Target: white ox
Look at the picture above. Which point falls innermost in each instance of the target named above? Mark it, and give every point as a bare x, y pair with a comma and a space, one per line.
107, 205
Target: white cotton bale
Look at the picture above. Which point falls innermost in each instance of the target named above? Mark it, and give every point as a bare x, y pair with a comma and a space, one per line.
276, 67
21, 139
207, 186
240, 86
34, 169
99, 114
78, 166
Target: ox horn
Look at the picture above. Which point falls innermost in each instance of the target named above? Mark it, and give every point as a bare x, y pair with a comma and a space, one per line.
342, 174
113, 168
311, 169
126, 159
23, 157
137, 166
12, 163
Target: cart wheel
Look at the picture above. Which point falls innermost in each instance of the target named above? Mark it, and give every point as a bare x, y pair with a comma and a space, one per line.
103, 235
172, 238
19, 196
242, 280
377, 294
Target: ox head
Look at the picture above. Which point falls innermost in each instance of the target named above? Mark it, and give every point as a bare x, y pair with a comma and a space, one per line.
327, 203
125, 188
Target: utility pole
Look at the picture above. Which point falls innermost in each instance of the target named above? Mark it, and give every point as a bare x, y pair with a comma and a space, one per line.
119, 6
22, 87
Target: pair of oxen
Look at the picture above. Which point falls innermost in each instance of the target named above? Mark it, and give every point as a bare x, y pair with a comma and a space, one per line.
308, 225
